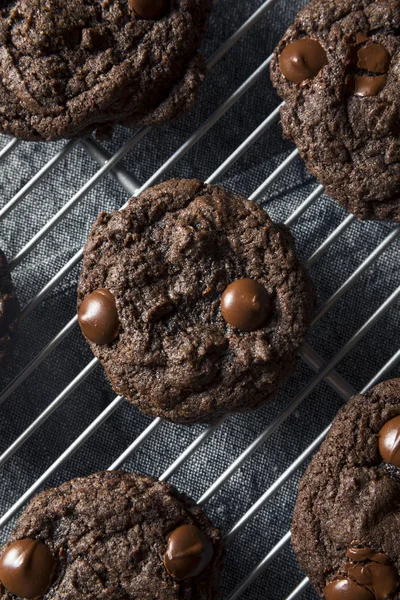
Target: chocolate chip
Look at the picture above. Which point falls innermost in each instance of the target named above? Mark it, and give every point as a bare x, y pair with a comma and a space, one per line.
188, 552
302, 59
369, 576
345, 589
389, 442
149, 9
380, 578
361, 554
361, 38
245, 304
98, 317
27, 568
367, 85
373, 58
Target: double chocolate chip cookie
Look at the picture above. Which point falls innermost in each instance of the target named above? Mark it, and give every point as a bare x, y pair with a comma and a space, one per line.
9, 313
68, 68
347, 517
338, 70
112, 535
194, 301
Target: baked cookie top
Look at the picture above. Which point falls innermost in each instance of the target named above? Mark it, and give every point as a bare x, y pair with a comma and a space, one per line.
338, 70
347, 517
112, 535
9, 313
178, 265
68, 68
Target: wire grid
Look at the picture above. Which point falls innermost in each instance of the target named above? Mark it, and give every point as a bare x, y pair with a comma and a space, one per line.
320, 370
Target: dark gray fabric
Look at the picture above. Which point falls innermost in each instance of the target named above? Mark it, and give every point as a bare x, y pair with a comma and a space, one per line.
240, 491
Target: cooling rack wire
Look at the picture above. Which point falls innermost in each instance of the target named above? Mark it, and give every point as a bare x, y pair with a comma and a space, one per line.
323, 371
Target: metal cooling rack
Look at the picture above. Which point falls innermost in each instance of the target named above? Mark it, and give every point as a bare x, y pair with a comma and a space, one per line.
323, 371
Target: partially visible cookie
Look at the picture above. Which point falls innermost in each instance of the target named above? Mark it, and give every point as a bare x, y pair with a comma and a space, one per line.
338, 70
69, 68
347, 516
9, 313
112, 535
194, 301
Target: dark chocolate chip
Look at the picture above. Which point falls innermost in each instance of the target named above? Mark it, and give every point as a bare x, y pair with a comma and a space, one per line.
361, 38
27, 568
345, 589
368, 85
389, 442
302, 59
382, 579
98, 317
245, 304
369, 575
188, 552
149, 9
374, 58
360, 554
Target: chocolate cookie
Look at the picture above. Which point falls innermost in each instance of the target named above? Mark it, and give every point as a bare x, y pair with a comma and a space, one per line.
347, 517
68, 68
338, 70
194, 301
9, 313
112, 535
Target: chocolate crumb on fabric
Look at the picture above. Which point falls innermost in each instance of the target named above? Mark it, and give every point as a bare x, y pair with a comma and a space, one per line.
105, 536
167, 259
69, 68
347, 516
9, 314
337, 68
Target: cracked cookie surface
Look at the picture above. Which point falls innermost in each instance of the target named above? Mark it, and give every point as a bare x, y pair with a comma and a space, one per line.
9, 313
348, 499
345, 120
167, 259
70, 68
109, 534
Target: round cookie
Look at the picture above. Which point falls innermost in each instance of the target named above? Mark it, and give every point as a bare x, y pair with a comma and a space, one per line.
167, 260
111, 535
338, 70
9, 313
347, 516
69, 68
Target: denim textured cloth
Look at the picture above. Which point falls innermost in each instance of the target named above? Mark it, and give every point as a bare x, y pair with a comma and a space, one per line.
328, 336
